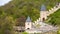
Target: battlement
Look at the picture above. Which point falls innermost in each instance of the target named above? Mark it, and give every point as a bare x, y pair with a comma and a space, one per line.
50, 11
54, 9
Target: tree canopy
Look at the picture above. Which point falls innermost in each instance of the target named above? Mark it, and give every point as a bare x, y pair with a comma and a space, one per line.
12, 13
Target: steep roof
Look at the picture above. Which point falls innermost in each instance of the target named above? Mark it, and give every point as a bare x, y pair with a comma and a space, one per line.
28, 19
43, 8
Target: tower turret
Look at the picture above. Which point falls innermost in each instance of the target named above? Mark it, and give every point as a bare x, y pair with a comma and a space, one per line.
43, 13
28, 23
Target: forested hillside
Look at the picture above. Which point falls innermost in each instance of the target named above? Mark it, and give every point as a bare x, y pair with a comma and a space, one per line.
16, 12
17, 8
20, 9
55, 18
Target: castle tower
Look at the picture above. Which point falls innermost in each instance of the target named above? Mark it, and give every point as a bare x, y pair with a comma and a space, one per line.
43, 13
28, 23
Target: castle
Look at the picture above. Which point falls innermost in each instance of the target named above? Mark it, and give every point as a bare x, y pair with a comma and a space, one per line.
43, 16
39, 26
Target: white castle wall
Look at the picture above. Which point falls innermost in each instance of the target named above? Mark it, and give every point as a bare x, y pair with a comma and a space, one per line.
47, 13
28, 25
54, 9
43, 15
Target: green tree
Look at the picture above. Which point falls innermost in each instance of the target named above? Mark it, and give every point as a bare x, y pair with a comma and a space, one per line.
6, 26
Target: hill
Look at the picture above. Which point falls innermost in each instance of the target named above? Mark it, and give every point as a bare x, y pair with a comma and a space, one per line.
20, 8
16, 12
55, 18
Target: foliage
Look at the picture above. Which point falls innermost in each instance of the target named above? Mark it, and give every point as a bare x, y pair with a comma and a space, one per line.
38, 25
24, 33
6, 25
13, 11
21, 21
17, 8
58, 32
55, 18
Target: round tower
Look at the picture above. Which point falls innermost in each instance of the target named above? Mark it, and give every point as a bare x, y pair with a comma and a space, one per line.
28, 23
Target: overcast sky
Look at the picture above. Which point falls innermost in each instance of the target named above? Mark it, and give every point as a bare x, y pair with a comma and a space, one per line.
2, 2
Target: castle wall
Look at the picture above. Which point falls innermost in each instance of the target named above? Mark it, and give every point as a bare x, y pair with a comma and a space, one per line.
28, 25
43, 15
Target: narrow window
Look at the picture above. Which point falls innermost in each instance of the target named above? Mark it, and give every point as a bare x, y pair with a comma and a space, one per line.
43, 19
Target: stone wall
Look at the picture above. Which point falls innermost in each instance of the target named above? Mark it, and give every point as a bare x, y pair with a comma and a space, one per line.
47, 13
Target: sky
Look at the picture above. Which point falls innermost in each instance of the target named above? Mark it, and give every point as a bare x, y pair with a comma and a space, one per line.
3, 2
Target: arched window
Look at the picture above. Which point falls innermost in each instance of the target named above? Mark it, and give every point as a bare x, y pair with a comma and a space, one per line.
28, 28
43, 19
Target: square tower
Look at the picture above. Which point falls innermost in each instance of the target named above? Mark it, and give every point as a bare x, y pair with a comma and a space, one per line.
43, 13
28, 24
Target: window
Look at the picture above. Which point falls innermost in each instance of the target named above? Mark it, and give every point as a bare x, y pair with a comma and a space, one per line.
28, 23
43, 19
27, 28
